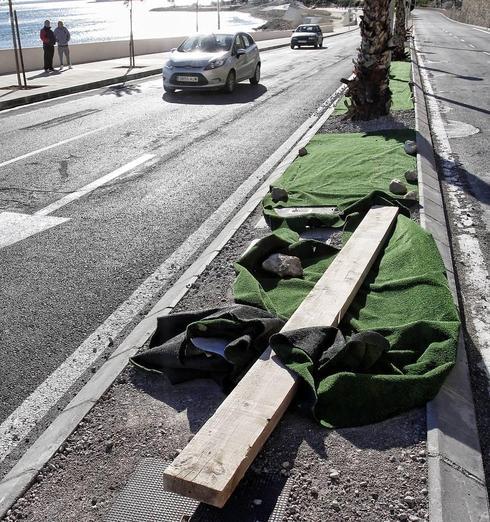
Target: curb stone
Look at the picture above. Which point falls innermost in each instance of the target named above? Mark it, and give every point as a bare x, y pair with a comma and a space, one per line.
26, 100
457, 488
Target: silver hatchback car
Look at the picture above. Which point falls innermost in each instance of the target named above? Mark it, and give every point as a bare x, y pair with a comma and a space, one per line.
212, 61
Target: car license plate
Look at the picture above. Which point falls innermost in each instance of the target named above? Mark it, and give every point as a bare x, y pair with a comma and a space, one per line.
302, 41
187, 79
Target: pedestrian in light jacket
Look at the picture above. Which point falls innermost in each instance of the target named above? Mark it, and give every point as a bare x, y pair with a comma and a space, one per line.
62, 36
48, 39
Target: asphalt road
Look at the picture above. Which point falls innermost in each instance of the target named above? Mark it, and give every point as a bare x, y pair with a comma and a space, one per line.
457, 62
59, 285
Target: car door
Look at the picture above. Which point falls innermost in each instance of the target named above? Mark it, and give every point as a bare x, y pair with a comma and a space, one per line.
240, 61
251, 54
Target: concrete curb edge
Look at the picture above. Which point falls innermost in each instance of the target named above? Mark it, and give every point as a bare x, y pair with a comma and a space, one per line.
457, 488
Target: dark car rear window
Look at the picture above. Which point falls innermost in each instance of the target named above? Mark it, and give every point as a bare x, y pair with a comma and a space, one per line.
308, 29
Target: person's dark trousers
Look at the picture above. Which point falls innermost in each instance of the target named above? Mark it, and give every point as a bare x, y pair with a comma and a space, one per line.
48, 57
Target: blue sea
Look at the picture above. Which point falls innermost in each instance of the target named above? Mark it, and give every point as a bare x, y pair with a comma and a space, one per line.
90, 21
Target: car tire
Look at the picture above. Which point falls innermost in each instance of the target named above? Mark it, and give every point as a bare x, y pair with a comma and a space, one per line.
170, 90
292, 46
230, 82
256, 77
321, 43
315, 46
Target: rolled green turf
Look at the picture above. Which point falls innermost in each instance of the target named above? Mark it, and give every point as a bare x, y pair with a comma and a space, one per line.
405, 298
341, 169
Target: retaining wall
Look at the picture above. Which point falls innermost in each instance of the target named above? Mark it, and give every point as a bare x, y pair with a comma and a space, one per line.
91, 52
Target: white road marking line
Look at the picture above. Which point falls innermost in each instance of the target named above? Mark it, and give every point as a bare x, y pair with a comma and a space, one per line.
35, 407
53, 207
481, 30
462, 40
488, 54
477, 278
15, 227
44, 149
471, 45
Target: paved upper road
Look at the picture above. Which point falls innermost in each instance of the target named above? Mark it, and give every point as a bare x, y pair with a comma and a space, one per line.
455, 65
57, 286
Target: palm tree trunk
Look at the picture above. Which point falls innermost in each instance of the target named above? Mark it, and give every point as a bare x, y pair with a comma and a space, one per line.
369, 91
400, 32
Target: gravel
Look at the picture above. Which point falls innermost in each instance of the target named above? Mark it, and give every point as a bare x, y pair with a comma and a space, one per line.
396, 120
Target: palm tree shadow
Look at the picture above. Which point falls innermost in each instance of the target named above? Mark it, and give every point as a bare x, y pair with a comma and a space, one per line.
460, 76
121, 90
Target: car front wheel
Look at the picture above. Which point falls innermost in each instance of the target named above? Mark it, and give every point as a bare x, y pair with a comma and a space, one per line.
256, 77
230, 82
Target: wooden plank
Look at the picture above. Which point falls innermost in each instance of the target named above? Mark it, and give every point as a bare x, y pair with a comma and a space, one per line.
215, 460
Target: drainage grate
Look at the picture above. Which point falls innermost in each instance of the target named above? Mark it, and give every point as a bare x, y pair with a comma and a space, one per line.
144, 500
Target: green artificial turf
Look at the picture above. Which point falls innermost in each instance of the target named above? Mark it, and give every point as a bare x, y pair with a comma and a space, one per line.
399, 85
341, 169
405, 298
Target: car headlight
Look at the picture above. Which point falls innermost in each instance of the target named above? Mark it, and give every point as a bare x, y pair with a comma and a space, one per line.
169, 65
214, 64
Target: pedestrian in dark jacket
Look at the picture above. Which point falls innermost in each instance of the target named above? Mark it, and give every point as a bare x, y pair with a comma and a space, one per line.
62, 36
48, 39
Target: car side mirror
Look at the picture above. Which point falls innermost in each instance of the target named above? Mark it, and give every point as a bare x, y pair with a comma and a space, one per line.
240, 52
173, 50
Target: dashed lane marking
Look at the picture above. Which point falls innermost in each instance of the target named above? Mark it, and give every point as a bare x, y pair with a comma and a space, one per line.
15, 226
53, 207
49, 147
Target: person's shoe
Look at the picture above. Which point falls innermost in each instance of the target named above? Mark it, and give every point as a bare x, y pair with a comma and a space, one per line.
70, 67
61, 68
51, 69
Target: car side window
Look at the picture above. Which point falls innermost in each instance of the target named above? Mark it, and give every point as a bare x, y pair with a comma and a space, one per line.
246, 41
238, 43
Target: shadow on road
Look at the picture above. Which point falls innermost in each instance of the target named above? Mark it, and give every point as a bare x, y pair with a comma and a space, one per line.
242, 94
461, 104
460, 76
121, 90
454, 49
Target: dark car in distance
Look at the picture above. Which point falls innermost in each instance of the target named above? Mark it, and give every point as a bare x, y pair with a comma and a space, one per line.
307, 34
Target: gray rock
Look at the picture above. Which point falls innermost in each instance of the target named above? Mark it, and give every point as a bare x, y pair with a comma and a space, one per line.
334, 474
412, 194
398, 187
283, 265
302, 151
410, 147
411, 175
409, 501
278, 194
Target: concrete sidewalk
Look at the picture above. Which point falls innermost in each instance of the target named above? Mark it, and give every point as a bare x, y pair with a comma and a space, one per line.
83, 77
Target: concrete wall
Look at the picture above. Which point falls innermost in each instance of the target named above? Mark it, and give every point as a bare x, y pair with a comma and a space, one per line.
91, 52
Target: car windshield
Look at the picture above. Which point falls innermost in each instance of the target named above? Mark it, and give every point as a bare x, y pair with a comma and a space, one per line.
307, 29
209, 43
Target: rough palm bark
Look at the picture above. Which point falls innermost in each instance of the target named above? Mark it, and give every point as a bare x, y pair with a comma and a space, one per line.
369, 91
400, 32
